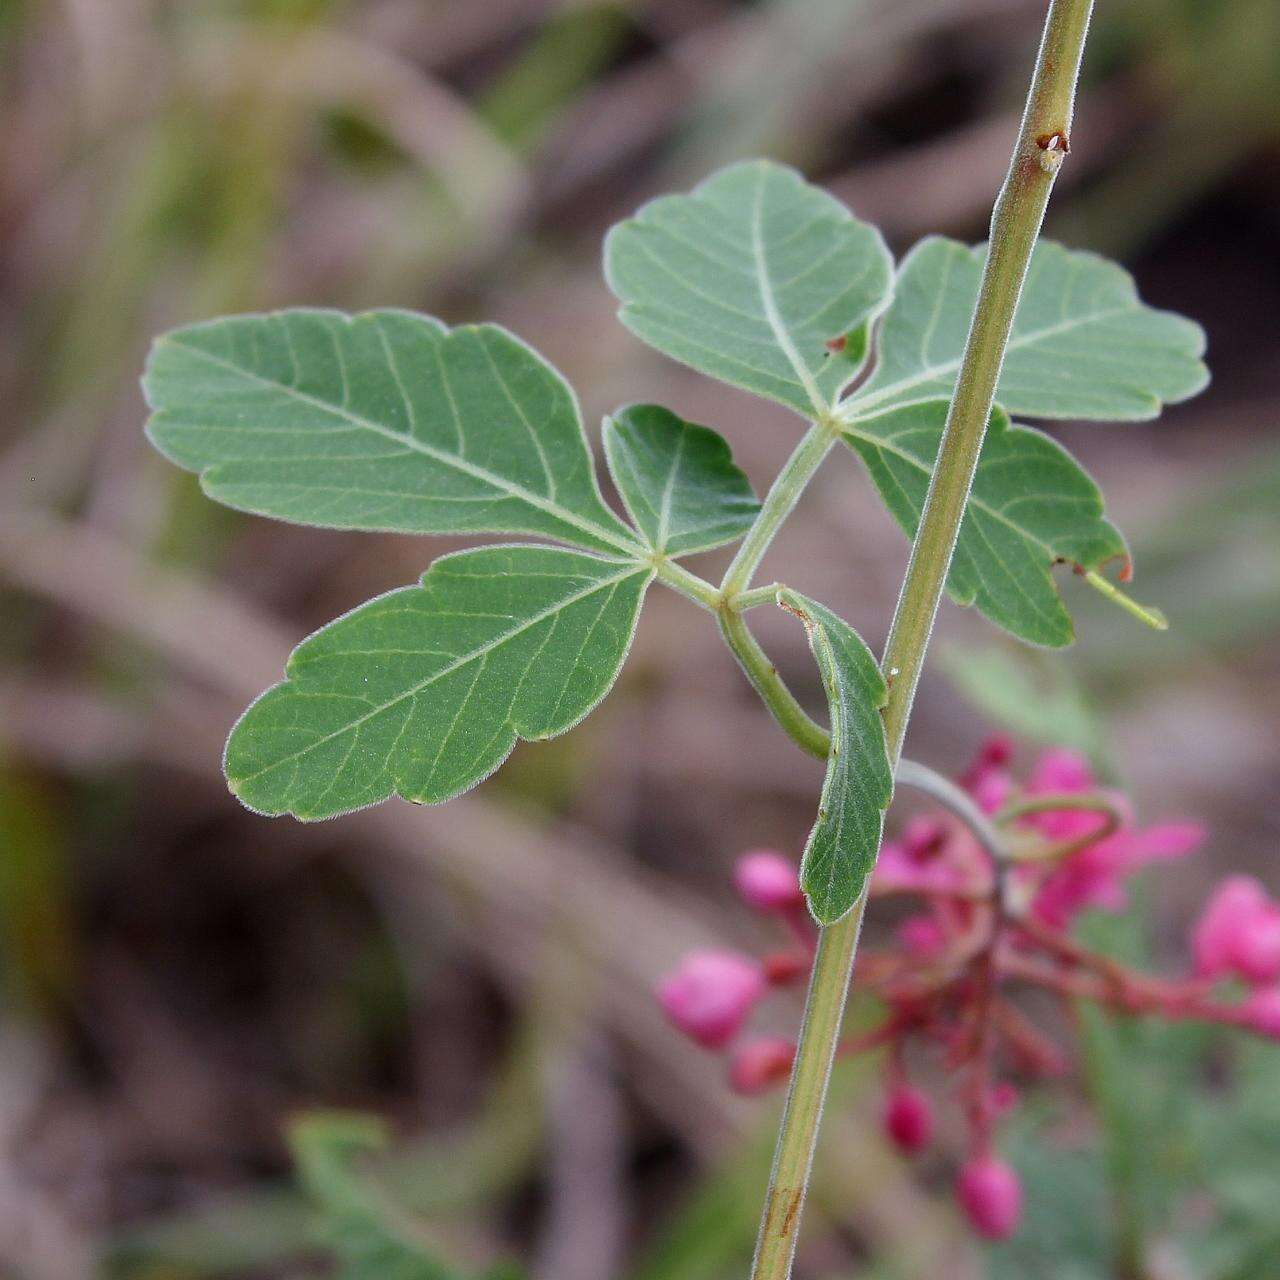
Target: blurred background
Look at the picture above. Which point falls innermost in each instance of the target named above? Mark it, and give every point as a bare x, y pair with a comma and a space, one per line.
182, 980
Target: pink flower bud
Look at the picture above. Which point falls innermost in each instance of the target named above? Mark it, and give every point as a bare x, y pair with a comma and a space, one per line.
761, 1064
782, 968
990, 1194
767, 881
710, 995
922, 937
1060, 769
924, 838
992, 790
986, 779
1262, 1010
996, 751
1238, 932
1002, 1097
908, 1118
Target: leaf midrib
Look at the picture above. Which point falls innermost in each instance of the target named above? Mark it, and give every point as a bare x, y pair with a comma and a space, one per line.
770, 305
412, 442
668, 492
480, 651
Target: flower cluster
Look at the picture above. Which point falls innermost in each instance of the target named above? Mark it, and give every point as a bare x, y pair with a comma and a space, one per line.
993, 900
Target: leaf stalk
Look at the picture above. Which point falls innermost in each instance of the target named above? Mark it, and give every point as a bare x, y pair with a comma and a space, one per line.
782, 497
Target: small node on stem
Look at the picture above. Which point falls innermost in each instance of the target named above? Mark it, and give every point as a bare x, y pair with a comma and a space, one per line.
1053, 148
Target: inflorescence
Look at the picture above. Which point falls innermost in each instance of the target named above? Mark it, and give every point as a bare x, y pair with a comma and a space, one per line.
985, 922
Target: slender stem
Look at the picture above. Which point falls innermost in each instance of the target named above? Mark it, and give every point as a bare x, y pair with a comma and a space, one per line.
955, 799
699, 590
810, 1074
1056, 801
757, 596
1043, 138
804, 731
1081, 802
782, 497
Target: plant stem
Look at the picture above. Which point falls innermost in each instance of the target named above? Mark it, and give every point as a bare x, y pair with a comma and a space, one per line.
1043, 139
1078, 801
782, 497
757, 596
699, 590
956, 800
803, 730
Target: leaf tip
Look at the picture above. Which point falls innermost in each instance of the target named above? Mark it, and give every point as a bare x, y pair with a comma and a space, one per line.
1148, 615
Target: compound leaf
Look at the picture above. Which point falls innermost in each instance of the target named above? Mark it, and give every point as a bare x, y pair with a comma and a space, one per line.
748, 278
677, 480
1083, 345
1032, 504
423, 692
382, 421
843, 844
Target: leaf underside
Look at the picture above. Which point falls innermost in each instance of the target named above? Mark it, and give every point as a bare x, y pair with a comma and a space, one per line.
384, 421
1083, 343
845, 840
748, 278
423, 692
390, 421
1031, 504
677, 480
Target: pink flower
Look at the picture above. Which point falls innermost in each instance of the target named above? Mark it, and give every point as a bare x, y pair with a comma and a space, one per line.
987, 779
1002, 1097
922, 937
1060, 769
990, 1194
1238, 932
710, 995
759, 1065
782, 968
921, 862
908, 1118
1094, 876
1262, 1011
767, 881
992, 790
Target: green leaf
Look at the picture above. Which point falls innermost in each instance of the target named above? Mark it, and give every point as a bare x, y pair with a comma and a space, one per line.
843, 844
382, 421
424, 691
1083, 344
1032, 504
748, 277
678, 480
372, 1237
1035, 695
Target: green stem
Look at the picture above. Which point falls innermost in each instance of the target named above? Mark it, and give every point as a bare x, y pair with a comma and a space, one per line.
1080, 801
1015, 224
956, 800
757, 596
699, 590
781, 498
804, 731
1052, 802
